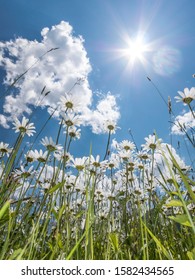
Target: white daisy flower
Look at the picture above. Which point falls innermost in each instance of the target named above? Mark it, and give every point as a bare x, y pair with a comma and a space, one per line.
70, 181
151, 143
22, 173
79, 187
71, 119
96, 165
4, 149
79, 163
110, 126
125, 154
74, 133
143, 155
30, 156
187, 96
60, 155
40, 155
191, 206
50, 144
139, 165
127, 145
113, 162
24, 127
95, 161
68, 102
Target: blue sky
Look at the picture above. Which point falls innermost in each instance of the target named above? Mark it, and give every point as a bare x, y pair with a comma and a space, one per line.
167, 27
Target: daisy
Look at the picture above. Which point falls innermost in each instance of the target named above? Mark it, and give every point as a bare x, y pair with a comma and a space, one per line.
74, 133
182, 165
132, 164
113, 162
95, 161
125, 155
79, 163
71, 119
151, 143
24, 127
191, 206
4, 149
79, 186
50, 144
143, 155
68, 102
169, 178
96, 165
110, 126
139, 165
61, 156
69, 181
187, 96
30, 156
127, 145
40, 156
22, 173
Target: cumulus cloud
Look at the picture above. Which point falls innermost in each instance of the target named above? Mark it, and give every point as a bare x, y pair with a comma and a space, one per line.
54, 64
106, 110
3, 121
185, 121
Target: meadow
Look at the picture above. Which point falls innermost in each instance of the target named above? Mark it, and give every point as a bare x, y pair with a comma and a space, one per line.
128, 204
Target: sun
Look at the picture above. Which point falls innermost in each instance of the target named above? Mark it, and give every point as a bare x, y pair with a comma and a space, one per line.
135, 50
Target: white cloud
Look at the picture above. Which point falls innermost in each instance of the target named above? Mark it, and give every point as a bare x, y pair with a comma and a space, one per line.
185, 121
57, 71
3, 121
106, 110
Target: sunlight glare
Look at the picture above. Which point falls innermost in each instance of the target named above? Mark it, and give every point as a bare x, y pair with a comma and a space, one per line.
135, 50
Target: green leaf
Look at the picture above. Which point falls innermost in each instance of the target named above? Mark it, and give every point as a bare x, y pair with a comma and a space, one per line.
79, 214
61, 211
15, 254
191, 254
54, 188
59, 241
76, 246
174, 203
181, 219
174, 193
4, 209
55, 213
158, 243
114, 241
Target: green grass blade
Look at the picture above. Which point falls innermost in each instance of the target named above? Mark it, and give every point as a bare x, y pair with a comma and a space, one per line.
159, 244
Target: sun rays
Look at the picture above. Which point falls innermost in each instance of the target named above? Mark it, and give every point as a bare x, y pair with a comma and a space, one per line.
135, 50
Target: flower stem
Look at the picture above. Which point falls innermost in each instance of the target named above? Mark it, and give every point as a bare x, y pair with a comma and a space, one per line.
108, 143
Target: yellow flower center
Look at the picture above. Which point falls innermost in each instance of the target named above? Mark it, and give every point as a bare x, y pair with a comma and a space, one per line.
110, 127
3, 150
152, 146
69, 123
22, 129
69, 105
187, 100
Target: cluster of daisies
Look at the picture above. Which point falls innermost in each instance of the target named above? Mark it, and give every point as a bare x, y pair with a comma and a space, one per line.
124, 173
